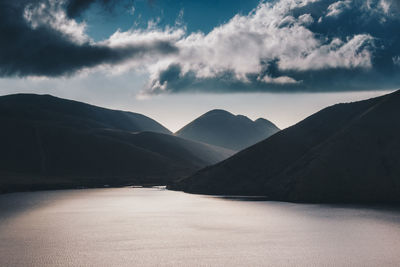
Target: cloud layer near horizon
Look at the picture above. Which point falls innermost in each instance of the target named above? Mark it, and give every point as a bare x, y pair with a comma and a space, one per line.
283, 45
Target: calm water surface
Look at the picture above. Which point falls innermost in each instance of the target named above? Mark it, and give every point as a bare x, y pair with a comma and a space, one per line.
154, 227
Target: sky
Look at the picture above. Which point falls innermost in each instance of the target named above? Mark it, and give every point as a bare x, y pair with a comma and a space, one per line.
174, 60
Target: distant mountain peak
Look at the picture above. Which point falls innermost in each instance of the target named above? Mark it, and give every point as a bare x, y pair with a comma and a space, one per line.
262, 120
265, 122
217, 112
347, 152
222, 128
49, 142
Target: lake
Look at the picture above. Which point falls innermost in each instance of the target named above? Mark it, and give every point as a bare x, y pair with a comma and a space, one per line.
157, 227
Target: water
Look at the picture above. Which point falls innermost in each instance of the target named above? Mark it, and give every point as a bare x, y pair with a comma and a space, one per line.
154, 227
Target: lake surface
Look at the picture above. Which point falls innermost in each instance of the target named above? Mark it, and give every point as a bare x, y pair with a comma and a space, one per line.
156, 227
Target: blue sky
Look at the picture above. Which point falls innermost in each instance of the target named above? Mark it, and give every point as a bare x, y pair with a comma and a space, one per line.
196, 15
174, 60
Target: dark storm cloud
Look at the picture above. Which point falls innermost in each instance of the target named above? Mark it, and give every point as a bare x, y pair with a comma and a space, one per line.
45, 51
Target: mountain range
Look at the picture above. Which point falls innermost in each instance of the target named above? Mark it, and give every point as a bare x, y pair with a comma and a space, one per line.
344, 153
221, 128
49, 142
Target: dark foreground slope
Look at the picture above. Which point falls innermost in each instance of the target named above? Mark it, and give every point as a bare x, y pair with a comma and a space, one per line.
344, 153
221, 128
58, 150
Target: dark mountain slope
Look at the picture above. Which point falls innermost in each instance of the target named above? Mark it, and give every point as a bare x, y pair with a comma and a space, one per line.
59, 153
72, 113
221, 128
344, 153
180, 149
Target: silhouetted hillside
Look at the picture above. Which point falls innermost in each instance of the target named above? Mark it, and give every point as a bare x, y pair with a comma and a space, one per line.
65, 112
48, 142
221, 128
344, 153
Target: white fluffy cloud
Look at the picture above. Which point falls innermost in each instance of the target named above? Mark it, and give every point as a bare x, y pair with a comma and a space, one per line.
266, 46
336, 8
51, 13
270, 32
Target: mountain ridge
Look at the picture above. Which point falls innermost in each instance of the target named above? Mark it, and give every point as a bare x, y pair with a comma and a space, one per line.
50, 144
323, 158
66, 109
222, 128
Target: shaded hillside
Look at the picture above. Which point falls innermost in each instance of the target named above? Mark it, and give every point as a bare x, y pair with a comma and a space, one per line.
57, 151
344, 153
221, 128
65, 112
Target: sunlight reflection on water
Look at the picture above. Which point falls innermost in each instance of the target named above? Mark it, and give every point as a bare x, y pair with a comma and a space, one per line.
152, 226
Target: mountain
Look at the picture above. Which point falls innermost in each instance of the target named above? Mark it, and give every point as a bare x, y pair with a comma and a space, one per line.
344, 153
221, 128
65, 112
48, 142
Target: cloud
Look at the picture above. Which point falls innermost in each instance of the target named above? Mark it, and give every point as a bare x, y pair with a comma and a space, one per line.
289, 45
38, 38
281, 45
52, 15
396, 60
337, 8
